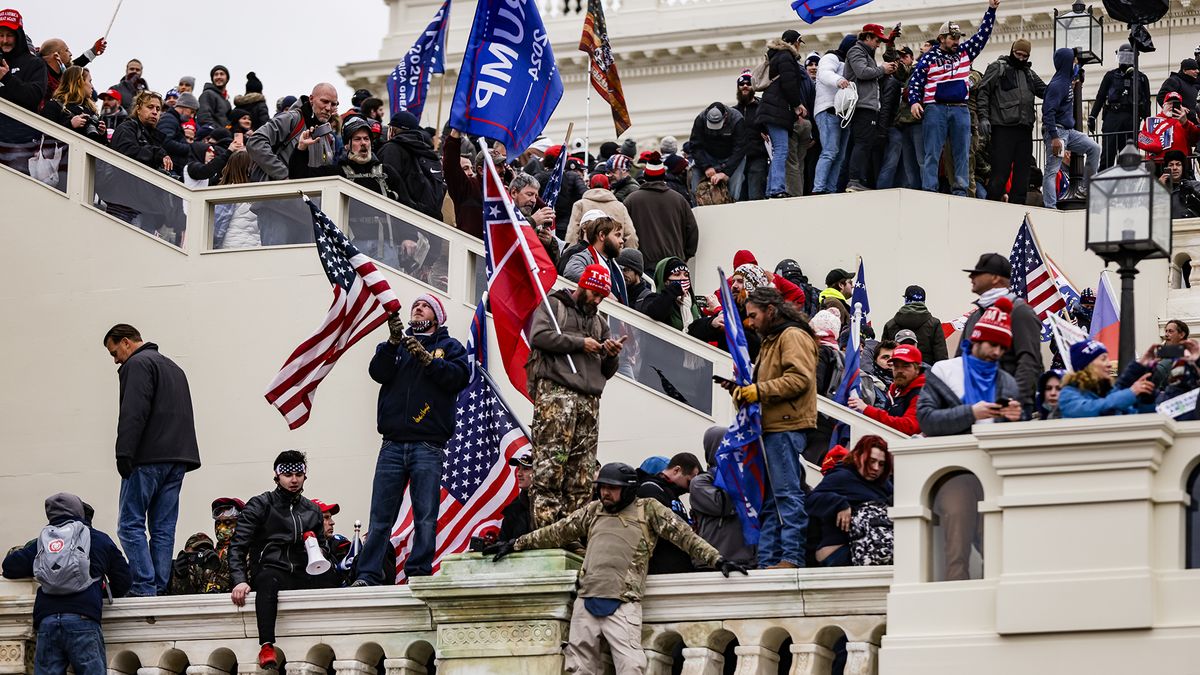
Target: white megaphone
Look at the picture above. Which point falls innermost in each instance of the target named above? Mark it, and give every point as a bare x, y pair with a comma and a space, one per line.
317, 564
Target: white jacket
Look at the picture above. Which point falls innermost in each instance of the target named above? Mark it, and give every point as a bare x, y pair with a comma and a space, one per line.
829, 73
243, 228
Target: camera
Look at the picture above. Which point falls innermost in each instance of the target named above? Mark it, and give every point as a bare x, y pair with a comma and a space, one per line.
205, 558
92, 126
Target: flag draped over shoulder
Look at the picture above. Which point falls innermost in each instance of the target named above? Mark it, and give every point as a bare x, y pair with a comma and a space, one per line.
740, 467
408, 84
362, 299
811, 10
603, 67
509, 84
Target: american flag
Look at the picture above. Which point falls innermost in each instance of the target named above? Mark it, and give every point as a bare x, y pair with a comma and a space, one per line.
362, 299
477, 482
1031, 278
554, 184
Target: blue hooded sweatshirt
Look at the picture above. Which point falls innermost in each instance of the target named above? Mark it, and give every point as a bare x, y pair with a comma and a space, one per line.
1058, 107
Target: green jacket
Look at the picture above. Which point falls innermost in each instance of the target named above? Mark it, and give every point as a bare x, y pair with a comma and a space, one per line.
931, 340
660, 522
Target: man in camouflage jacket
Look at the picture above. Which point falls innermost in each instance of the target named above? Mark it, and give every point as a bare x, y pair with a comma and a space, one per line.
196, 572
622, 531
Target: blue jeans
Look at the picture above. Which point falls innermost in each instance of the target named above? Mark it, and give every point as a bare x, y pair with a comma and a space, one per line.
417, 467
946, 123
150, 500
1076, 142
833, 151
73, 639
912, 154
891, 160
783, 520
777, 172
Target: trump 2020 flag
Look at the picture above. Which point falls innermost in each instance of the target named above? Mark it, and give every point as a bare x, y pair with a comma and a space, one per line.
741, 470
811, 10
408, 84
508, 85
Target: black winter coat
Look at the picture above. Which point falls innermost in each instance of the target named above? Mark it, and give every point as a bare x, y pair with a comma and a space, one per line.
155, 423
255, 104
843, 487
722, 149
417, 403
779, 101
516, 518
25, 82
755, 147
572, 191
401, 153
915, 316
214, 107
170, 125
667, 558
139, 142
57, 112
889, 101
270, 533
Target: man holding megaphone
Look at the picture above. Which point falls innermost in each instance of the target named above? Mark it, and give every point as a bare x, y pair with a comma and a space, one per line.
279, 545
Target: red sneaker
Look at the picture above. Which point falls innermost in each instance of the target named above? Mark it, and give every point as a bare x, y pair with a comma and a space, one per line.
267, 659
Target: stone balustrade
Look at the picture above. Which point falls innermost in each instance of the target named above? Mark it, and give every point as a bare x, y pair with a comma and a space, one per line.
481, 617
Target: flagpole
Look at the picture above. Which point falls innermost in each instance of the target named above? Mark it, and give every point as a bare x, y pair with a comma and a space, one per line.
442, 86
441, 98
113, 19
587, 122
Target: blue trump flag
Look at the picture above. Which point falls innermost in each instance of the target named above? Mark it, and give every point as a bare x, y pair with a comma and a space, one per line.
508, 85
741, 469
852, 375
408, 84
811, 10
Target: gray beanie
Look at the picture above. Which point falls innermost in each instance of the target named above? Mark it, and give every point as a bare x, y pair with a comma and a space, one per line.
188, 80
668, 146
63, 506
631, 259
187, 100
629, 148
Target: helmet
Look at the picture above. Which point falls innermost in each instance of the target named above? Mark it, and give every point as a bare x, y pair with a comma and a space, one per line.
617, 473
352, 125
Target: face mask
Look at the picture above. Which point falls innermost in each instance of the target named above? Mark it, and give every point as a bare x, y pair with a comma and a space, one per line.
224, 530
62, 67
1124, 58
421, 326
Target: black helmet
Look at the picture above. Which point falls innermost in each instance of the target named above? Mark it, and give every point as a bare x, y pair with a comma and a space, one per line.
352, 125
617, 473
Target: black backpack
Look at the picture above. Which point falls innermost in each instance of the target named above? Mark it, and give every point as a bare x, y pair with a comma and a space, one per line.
426, 187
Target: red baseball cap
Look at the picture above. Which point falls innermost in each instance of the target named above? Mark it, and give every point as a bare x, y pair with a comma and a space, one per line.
1173, 96
11, 18
907, 354
876, 30
331, 509
111, 93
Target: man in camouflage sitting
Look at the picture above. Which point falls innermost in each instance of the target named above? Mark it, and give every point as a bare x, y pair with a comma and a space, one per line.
622, 531
202, 567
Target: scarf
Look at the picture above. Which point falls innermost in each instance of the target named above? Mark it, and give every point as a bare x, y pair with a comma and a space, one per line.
614, 271
979, 380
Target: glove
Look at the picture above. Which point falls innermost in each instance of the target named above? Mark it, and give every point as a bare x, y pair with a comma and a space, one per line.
746, 395
500, 549
125, 467
418, 350
396, 326
1091, 125
675, 289
985, 127
99, 46
728, 566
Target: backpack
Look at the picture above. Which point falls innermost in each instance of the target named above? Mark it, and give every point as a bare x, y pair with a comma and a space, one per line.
760, 75
64, 558
426, 186
871, 535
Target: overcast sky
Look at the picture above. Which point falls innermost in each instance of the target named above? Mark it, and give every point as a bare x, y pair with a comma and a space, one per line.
289, 44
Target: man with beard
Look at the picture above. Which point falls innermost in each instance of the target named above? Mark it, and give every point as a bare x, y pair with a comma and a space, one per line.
422, 185
525, 192
22, 74
389, 240
605, 244
131, 85
1006, 114
613, 579
756, 150
900, 410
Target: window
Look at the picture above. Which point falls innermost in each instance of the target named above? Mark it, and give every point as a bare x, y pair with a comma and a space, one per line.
957, 528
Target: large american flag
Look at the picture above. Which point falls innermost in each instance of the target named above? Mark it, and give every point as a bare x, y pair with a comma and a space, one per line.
362, 299
1031, 278
477, 482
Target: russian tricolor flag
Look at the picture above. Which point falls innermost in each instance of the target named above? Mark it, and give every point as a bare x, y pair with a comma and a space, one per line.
1106, 317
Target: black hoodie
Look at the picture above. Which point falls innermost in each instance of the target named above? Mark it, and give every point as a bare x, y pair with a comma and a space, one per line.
667, 558
25, 82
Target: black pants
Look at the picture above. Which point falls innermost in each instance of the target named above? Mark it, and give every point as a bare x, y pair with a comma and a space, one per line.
864, 131
1012, 151
1118, 130
267, 584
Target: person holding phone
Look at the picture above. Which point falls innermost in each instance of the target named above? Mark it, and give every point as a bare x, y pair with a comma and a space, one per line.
22, 73
1090, 390
1171, 129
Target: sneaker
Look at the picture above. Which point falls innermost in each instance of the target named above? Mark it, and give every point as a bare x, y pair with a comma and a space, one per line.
855, 186
359, 583
267, 658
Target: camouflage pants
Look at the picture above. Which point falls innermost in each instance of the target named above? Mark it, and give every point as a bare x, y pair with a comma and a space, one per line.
564, 451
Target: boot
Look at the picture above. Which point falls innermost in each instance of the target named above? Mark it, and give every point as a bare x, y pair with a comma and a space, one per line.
267, 658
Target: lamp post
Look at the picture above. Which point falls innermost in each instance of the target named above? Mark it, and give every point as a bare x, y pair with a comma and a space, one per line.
1128, 221
1082, 31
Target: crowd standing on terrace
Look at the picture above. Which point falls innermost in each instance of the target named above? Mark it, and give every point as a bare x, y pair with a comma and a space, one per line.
622, 228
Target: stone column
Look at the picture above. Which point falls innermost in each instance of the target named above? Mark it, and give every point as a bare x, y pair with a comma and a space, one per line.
403, 666
155, 670
203, 669
16, 657
756, 660
352, 667
501, 618
862, 658
810, 659
658, 663
702, 661
303, 668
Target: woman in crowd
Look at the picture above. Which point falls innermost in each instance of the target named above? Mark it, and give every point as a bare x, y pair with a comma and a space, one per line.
1049, 386
863, 477
1091, 392
139, 138
72, 106
236, 225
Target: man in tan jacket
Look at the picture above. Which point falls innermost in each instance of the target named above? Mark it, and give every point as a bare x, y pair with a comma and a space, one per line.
784, 384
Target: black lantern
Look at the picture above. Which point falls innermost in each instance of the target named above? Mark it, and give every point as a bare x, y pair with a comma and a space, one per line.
1128, 221
1081, 31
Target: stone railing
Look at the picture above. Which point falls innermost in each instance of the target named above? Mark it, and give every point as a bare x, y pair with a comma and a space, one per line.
476, 616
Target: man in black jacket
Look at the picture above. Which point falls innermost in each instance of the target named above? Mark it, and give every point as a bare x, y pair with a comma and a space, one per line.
170, 125
517, 517
22, 73
421, 371
667, 486
862, 70
781, 104
755, 173
1005, 105
720, 138
268, 551
1114, 99
1185, 82
408, 151
68, 625
156, 445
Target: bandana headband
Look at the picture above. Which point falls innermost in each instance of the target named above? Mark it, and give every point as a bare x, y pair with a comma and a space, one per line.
298, 467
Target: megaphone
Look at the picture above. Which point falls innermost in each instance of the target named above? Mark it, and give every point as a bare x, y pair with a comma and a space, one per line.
317, 564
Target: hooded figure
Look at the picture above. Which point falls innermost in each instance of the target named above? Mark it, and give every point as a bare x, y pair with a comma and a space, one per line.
713, 509
24, 83
915, 316
254, 102
674, 303
1058, 108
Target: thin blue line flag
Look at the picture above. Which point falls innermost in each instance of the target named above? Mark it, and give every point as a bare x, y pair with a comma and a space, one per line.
811, 10
408, 85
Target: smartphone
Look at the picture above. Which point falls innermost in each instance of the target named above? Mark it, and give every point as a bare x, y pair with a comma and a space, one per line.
239, 137
1170, 352
1003, 402
322, 130
723, 380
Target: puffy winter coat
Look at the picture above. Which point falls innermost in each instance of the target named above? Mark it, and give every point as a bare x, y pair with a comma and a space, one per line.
606, 201
214, 107
666, 225
915, 316
779, 101
256, 104
239, 224
1120, 400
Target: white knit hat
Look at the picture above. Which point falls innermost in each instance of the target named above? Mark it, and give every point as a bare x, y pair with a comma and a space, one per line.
826, 322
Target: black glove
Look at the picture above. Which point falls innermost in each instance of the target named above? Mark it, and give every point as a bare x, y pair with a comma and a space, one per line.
414, 347
728, 566
1091, 125
675, 289
985, 127
125, 467
500, 549
396, 328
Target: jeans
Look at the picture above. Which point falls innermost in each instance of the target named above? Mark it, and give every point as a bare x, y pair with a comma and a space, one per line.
783, 520
756, 179
73, 639
1076, 142
943, 123
912, 154
891, 160
150, 500
864, 127
777, 173
417, 467
833, 150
